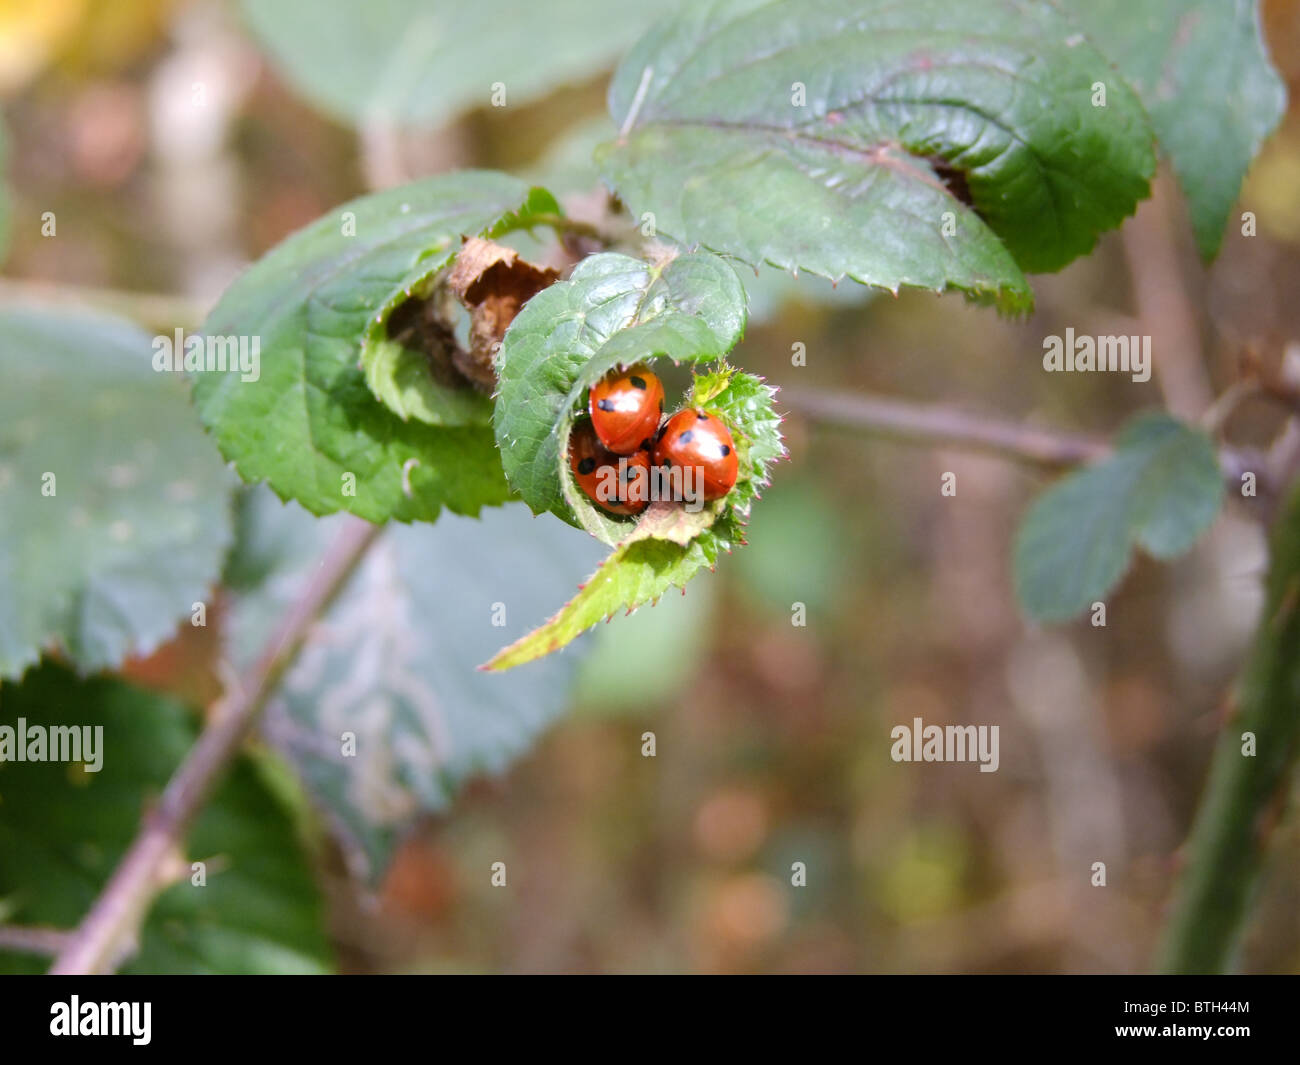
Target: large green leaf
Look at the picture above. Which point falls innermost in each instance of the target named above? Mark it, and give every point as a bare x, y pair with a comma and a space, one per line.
319, 304
393, 661
62, 831
420, 62
1160, 490
568, 168
614, 310
646, 563
1202, 69
995, 95
114, 507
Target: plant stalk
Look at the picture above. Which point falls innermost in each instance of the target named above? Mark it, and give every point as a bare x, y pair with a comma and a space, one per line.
109, 931
1246, 793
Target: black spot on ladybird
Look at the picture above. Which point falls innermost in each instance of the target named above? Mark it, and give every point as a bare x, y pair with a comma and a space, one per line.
701, 416
638, 382
604, 404
726, 450
586, 465
686, 437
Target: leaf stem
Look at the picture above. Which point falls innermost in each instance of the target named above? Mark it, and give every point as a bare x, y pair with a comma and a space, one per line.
109, 931
928, 423
33, 939
935, 424
1246, 792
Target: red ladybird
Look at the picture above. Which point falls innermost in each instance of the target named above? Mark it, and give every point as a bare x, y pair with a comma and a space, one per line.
618, 483
694, 438
625, 409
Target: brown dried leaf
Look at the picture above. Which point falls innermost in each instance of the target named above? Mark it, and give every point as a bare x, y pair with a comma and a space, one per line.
494, 283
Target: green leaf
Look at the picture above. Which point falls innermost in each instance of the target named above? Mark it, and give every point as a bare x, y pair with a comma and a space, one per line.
421, 62
898, 97
63, 830
1202, 69
393, 661
114, 507
1160, 490
613, 310
644, 566
318, 305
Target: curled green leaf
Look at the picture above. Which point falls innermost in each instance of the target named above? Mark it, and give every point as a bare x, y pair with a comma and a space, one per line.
669, 545
613, 311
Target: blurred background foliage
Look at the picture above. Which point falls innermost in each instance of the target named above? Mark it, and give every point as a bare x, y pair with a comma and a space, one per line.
173, 147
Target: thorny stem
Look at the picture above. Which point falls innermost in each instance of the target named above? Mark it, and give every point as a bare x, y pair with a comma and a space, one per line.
935, 424
109, 931
1246, 793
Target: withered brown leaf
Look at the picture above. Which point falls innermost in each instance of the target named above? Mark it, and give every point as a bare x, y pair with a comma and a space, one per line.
493, 282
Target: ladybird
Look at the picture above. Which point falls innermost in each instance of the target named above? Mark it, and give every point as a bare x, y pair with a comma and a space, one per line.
625, 409
694, 438
598, 473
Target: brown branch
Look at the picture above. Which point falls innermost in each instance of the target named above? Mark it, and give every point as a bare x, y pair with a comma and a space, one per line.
927, 423
109, 931
935, 424
33, 939
1164, 306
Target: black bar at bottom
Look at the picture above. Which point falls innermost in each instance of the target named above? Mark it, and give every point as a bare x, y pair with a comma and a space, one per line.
342, 1015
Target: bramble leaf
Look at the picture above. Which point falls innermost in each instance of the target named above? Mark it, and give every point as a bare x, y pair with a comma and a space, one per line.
393, 660
318, 305
929, 144
1160, 491
1202, 69
64, 829
421, 62
115, 511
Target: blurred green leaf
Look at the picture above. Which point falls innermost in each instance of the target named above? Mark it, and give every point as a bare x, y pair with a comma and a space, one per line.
650, 657
319, 304
1160, 490
854, 180
1202, 69
797, 550
62, 831
567, 166
137, 519
422, 62
394, 661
